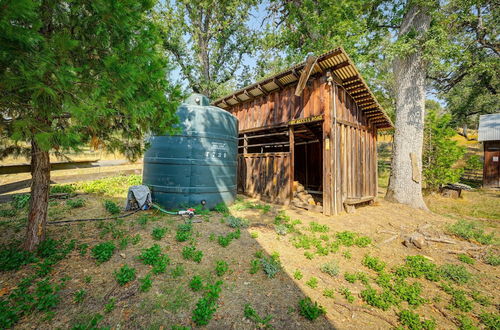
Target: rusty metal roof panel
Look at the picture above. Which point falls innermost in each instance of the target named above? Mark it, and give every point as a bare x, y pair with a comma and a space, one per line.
345, 70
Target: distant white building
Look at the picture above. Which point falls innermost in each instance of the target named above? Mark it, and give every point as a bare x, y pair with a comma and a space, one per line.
489, 134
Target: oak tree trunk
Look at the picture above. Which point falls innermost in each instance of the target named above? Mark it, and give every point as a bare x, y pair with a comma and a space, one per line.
40, 183
405, 183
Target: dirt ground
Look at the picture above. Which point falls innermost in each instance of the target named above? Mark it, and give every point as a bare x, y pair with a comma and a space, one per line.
171, 302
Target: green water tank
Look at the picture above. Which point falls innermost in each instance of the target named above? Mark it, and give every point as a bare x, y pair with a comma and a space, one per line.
198, 165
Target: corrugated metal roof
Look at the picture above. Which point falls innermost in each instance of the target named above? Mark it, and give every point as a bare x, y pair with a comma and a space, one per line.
489, 127
335, 60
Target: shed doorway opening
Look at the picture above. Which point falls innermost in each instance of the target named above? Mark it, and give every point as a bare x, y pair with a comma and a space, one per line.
308, 166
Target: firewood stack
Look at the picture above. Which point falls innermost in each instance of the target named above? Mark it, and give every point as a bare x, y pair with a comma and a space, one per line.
302, 199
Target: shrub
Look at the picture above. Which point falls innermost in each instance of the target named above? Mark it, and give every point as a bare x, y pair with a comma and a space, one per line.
13, 258
310, 310
409, 292
158, 233
383, 300
184, 232
207, 305
46, 297
331, 268
312, 283
103, 252
298, 275
125, 275
221, 208
490, 320
440, 151
373, 263
456, 273
466, 259
145, 283
271, 265
413, 322
236, 222
470, 231
190, 253
254, 266
111, 207
317, 228
346, 238
75, 203
79, 296
20, 201
251, 314
196, 283
221, 267
350, 277
363, 241
492, 259
329, 293
154, 257
417, 267
347, 294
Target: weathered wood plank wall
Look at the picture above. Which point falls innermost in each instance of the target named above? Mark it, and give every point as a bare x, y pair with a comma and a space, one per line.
349, 144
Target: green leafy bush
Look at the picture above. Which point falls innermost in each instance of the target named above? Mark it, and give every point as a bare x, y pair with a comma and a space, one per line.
312, 283
350, 277
466, 259
236, 222
492, 259
331, 268
207, 305
251, 314
145, 283
490, 320
383, 300
110, 306
196, 283
363, 241
13, 258
254, 266
417, 267
125, 275
298, 275
8, 213
221, 208
154, 257
347, 294
471, 231
317, 228
225, 240
310, 310
221, 267
373, 263
190, 253
62, 189
103, 251
79, 296
184, 232
346, 238
20, 201
456, 273
329, 293
158, 233
440, 151
413, 321
111, 207
75, 203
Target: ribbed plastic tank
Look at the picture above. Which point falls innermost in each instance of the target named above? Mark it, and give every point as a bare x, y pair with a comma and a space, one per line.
198, 164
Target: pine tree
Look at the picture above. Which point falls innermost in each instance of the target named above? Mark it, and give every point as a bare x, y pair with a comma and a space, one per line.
78, 72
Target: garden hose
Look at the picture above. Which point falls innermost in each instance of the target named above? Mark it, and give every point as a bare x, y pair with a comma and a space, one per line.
188, 212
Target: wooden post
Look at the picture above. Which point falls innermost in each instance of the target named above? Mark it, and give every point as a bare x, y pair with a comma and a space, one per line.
291, 137
327, 151
245, 144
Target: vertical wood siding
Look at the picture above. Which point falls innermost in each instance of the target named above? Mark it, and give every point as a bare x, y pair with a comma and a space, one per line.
349, 157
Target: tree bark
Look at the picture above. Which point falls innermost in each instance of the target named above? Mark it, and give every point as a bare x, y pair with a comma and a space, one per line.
40, 183
405, 185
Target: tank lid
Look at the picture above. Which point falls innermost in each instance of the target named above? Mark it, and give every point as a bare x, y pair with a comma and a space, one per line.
197, 99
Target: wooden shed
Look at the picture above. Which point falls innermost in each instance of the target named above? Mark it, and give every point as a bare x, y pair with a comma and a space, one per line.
315, 123
489, 134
